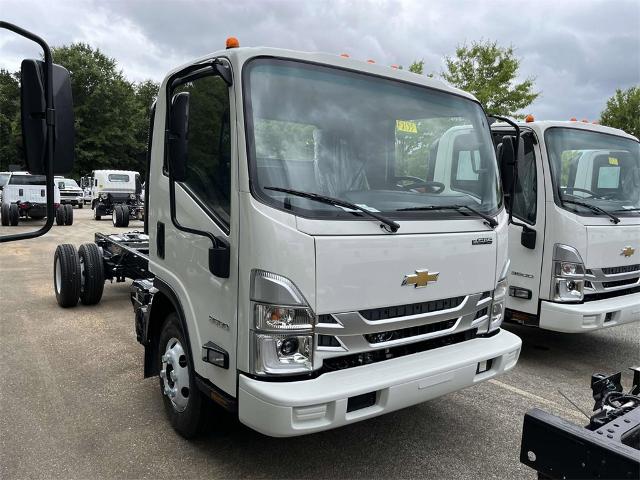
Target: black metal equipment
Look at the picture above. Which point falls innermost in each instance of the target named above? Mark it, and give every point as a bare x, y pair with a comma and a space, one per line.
125, 255
608, 448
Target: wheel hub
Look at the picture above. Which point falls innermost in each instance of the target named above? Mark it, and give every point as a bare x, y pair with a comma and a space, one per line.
175, 375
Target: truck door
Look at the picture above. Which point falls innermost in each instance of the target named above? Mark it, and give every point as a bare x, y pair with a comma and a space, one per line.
206, 201
528, 209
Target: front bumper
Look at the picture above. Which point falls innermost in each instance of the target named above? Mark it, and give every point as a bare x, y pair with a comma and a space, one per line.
284, 409
584, 317
71, 200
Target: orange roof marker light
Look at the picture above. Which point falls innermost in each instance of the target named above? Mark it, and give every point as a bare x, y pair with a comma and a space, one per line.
371, 61
595, 122
232, 42
529, 118
584, 120
344, 55
573, 119
395, 67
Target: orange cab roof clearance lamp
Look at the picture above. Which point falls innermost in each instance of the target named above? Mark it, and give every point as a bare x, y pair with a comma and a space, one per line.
232, 42
345, 55
529, 118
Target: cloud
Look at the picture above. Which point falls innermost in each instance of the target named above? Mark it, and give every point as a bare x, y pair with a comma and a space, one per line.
579, 52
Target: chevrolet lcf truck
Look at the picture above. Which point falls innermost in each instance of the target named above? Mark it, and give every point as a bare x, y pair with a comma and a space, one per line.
327, 242
575, 239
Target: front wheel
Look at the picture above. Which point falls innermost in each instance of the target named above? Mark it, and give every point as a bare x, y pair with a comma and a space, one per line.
182, 400
61, 214
14, 214
4, 213
80, 205
68, 214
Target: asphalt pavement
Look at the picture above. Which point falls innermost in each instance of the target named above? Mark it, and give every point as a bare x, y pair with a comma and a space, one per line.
74, 404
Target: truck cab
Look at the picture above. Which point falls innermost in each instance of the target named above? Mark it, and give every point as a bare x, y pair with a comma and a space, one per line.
327, 242
70, 192
575, 265
116, 193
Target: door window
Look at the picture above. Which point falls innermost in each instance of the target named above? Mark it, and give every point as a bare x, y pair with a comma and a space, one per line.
525, 200
208, 163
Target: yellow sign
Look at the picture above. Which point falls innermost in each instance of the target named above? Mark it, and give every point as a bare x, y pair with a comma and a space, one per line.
420, 279
613, 161
406, 126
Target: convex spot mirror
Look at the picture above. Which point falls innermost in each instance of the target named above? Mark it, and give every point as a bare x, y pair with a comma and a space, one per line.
179, 136
35, 116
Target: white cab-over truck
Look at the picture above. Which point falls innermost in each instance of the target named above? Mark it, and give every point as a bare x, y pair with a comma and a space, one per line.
116, 193
327, 242
25, 196
575, 242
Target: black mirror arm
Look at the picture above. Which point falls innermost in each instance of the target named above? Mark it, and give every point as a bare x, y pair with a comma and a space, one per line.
50, 121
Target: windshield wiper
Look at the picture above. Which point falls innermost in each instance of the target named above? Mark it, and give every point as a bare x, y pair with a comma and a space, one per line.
627, 210
492, 222
390, 224
593, 208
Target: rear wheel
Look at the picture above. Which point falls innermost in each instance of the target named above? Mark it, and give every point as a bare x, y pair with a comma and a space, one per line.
4, 213
68, 214
96, 213
183, 401
66, 275
125, 216
14, 214
116, 216
91, 273
60, 215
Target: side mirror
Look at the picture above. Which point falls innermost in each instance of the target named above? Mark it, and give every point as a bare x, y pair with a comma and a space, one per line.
507, 162
138, 185
528, 238
179, 136
36, 115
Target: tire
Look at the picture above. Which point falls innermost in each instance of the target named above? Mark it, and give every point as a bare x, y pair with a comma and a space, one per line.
125, 215
66, 275
14, 214
96, 215
185, 418
116, 216
4, 213
68, 214
91, 273
61, 214
80, 205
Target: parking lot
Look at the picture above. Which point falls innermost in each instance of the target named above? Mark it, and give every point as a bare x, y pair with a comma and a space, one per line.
73, 402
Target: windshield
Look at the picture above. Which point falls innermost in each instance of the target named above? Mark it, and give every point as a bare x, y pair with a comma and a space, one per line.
381, 144
28, 180
3, 179
67, 183
596, 169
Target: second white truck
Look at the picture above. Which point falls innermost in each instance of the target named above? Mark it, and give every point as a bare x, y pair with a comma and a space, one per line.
116, 193
575, 241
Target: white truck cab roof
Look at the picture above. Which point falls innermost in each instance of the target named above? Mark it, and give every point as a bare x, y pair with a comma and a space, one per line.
539, 126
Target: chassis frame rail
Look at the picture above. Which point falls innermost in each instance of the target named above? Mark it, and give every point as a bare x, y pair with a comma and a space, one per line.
125, 255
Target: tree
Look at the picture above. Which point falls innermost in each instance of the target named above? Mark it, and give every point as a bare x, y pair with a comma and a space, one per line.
10, 146
489, 72
623, 111
107, 117
417, 67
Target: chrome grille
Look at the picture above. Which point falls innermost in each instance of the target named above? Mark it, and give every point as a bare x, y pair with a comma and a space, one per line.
609, 282
352, 333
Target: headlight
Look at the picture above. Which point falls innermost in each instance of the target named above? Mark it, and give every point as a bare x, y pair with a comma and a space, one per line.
283, 326
132, 196
499, 298
567, 284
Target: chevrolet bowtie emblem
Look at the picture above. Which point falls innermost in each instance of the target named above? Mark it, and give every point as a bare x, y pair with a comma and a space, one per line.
628, 251
420, 279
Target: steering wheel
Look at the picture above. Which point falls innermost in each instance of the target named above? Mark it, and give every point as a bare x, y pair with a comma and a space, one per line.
583, 190
415, 182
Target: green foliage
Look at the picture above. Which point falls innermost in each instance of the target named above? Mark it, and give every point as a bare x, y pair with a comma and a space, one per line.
623, 111
417, 67
489, 72
10, 135
110, 112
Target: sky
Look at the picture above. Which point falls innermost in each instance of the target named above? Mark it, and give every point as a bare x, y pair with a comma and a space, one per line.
578, 51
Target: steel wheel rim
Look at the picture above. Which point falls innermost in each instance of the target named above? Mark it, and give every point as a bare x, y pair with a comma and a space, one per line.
175, 375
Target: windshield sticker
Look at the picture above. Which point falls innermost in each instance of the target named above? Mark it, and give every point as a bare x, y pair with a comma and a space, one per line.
613, 161
406, 126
